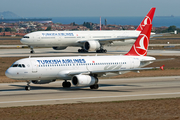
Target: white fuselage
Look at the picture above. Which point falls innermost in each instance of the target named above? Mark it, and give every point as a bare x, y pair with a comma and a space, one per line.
72, 38
52, 68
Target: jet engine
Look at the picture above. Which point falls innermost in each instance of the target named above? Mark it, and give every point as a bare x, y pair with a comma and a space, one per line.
83, 80
59, 48
42, 81
92, 45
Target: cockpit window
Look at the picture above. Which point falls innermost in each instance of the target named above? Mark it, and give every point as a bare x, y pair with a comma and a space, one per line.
18, 65
15, 65
26, 37
23, 65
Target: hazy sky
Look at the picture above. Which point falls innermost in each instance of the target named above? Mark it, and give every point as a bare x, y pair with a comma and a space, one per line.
71, 8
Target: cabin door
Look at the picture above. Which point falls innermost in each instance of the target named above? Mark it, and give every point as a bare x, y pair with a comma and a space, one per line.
34, 66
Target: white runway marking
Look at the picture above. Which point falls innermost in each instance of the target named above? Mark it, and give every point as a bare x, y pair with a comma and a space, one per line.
89, 97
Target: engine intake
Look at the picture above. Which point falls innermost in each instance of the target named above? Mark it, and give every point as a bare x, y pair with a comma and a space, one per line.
83, 80
91, 45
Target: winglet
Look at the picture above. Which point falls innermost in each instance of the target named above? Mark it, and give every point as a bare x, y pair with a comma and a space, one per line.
162, 67
147, 20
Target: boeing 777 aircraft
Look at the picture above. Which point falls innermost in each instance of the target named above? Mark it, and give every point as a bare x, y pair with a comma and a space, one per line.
87, 40
82, 70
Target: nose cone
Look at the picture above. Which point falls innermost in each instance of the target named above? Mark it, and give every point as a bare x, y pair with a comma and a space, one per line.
12, 73
8, 73
23, 41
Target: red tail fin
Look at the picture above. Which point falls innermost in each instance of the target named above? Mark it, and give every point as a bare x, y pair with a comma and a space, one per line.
141, 44
147, 20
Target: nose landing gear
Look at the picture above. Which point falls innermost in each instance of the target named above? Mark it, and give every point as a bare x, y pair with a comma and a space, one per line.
32, 50
28, 86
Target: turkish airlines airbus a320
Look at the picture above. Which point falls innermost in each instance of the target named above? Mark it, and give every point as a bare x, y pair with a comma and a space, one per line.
83, 70
87, 40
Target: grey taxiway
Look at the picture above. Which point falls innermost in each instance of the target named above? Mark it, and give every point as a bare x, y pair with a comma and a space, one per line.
13, 94
72, 51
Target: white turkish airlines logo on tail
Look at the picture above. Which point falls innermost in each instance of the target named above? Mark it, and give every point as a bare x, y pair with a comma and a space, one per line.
147, 20
141, 46
141, 43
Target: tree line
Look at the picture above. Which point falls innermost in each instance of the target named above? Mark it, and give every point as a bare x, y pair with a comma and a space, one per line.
169, 29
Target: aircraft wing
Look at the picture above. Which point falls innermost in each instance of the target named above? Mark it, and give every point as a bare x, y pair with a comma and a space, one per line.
111, 71
105, 40
108, 39
162, 34
122, 70
157, 60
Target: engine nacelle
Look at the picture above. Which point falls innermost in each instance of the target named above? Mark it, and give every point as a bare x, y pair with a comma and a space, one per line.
42, 81
83, 80
92, 45
59, 48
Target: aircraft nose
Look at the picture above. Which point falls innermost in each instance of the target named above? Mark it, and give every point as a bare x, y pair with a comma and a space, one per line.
8, 73
23, 41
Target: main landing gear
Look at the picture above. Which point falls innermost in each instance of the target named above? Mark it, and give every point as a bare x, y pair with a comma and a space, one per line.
82, 51
98, 51
66, 84
101, 51
28, 86
95, 86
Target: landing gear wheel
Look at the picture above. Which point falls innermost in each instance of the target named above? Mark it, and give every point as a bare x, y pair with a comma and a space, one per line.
27, 88
66, 84
32, 51
79, 50
95, 86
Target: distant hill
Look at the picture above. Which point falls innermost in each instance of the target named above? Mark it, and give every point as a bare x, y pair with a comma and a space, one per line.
8, 15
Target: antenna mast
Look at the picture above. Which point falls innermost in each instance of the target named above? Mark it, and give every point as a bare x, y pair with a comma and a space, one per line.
100, 23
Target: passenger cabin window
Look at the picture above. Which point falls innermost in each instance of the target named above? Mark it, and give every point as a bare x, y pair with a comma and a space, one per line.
26, 37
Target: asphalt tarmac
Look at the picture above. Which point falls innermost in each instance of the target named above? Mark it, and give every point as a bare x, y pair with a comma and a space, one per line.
72, 51
14, 94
